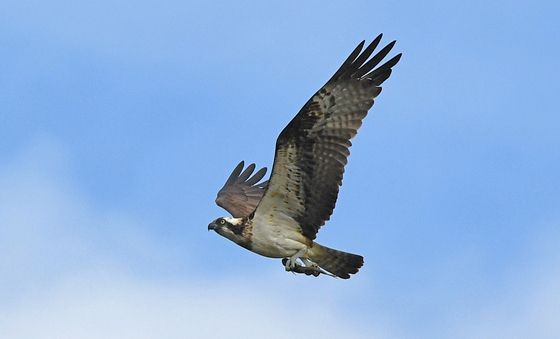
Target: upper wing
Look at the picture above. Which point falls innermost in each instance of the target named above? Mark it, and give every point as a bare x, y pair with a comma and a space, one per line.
312, 150
242, 192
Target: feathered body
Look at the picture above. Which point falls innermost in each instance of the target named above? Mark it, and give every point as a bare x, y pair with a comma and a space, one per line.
280, 218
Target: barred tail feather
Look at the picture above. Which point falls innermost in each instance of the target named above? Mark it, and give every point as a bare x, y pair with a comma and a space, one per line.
339, 263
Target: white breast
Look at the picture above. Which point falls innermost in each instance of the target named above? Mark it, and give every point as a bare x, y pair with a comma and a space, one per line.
276, 235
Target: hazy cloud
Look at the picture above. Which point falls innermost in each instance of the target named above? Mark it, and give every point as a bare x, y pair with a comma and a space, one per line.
64, 275
67, 271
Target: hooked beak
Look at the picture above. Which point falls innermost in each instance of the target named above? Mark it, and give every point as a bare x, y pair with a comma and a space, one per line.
212, 226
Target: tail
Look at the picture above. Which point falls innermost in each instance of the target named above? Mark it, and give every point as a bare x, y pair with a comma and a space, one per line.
339, 263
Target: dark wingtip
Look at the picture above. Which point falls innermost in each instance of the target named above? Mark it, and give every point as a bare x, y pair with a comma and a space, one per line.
256, 177
239, 166
368, 66
246, 173
235, 173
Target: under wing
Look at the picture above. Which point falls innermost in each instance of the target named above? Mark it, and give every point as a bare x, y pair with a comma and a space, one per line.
313, 148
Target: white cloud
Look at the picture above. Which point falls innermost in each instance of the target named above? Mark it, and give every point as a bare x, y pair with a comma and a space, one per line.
61, 277
113, 306
49, 228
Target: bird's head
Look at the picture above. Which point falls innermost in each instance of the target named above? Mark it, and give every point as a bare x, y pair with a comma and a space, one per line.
230, 228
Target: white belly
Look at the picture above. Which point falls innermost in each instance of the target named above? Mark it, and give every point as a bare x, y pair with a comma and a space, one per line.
277, 240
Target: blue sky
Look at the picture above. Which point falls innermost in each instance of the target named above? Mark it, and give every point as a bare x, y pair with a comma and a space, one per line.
121, 119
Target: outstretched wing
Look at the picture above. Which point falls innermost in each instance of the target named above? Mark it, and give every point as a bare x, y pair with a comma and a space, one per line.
242, 193
312, 150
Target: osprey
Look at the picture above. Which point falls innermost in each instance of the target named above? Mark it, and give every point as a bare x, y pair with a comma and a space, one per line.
280, 218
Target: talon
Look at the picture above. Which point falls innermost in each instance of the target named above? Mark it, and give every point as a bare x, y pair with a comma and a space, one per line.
286, 263
290, 263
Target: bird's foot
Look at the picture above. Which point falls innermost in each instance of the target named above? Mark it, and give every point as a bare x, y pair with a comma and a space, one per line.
313, 270
291, 262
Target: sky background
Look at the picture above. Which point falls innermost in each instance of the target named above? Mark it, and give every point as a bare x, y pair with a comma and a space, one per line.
120, 120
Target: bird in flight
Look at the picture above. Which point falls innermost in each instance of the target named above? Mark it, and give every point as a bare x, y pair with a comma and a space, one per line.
280, 218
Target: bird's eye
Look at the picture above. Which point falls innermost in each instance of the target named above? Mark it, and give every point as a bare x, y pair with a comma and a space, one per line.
222, 222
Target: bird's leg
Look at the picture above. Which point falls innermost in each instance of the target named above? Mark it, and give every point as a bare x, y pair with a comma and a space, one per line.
292, 261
